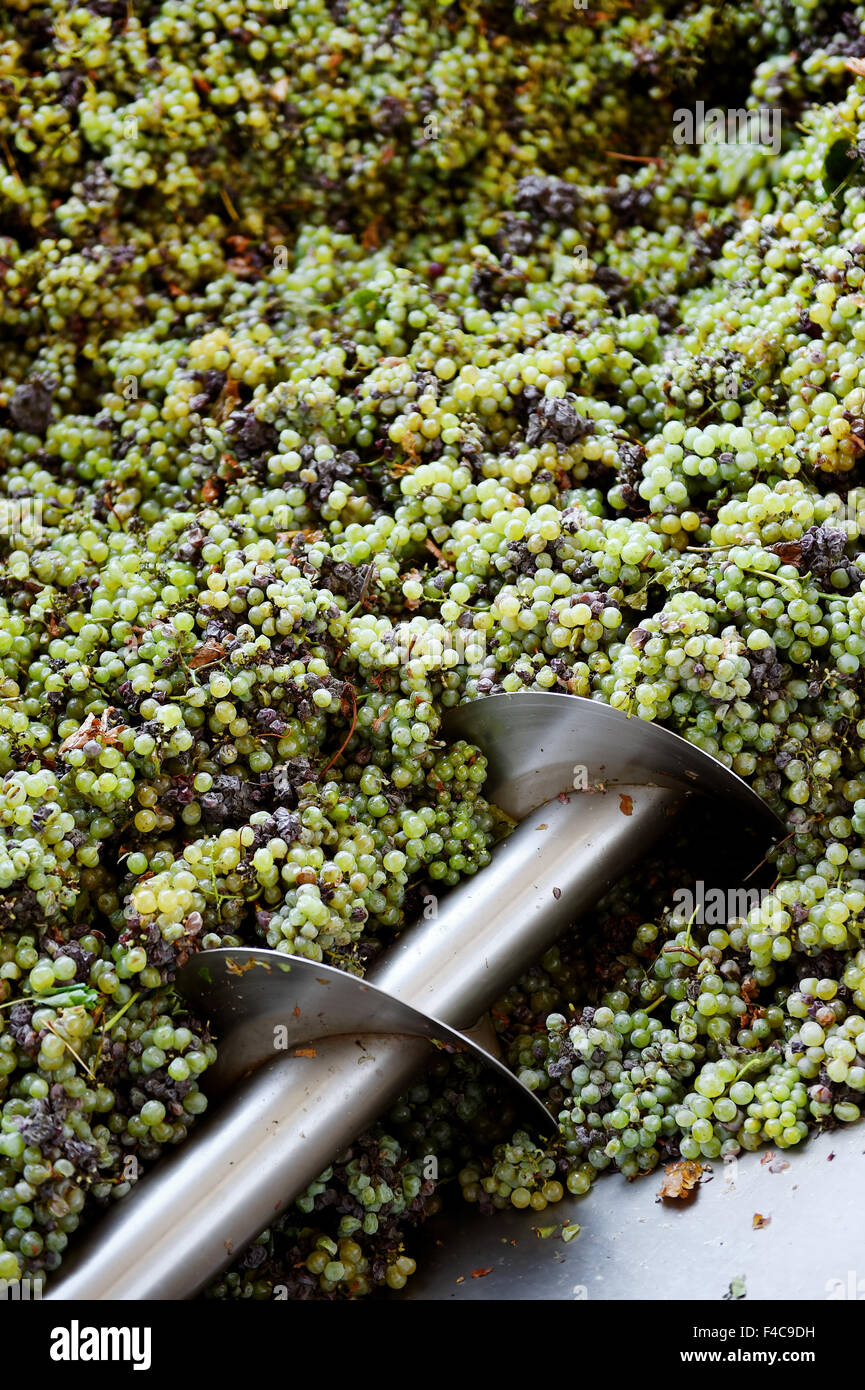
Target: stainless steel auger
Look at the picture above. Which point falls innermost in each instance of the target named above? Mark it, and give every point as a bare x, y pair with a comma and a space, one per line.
310, 1056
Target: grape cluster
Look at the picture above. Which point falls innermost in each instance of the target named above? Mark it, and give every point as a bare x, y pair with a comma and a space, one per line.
373, 1196
360, 360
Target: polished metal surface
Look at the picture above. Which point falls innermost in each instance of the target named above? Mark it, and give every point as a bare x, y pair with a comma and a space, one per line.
492, 927
808, 1246
285, 1122
534, 740
199, 1208
268, 1003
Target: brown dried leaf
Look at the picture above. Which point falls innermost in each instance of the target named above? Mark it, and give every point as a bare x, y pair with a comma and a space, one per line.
481, 1273
305, 1052
626, 804
240, 267
790, 552
98, 729
107, 729
212, 489
234, 969
82, 735
434, 550
371, 236
380, 719
775, 1164
760, 1221
680, 1178
207, 654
